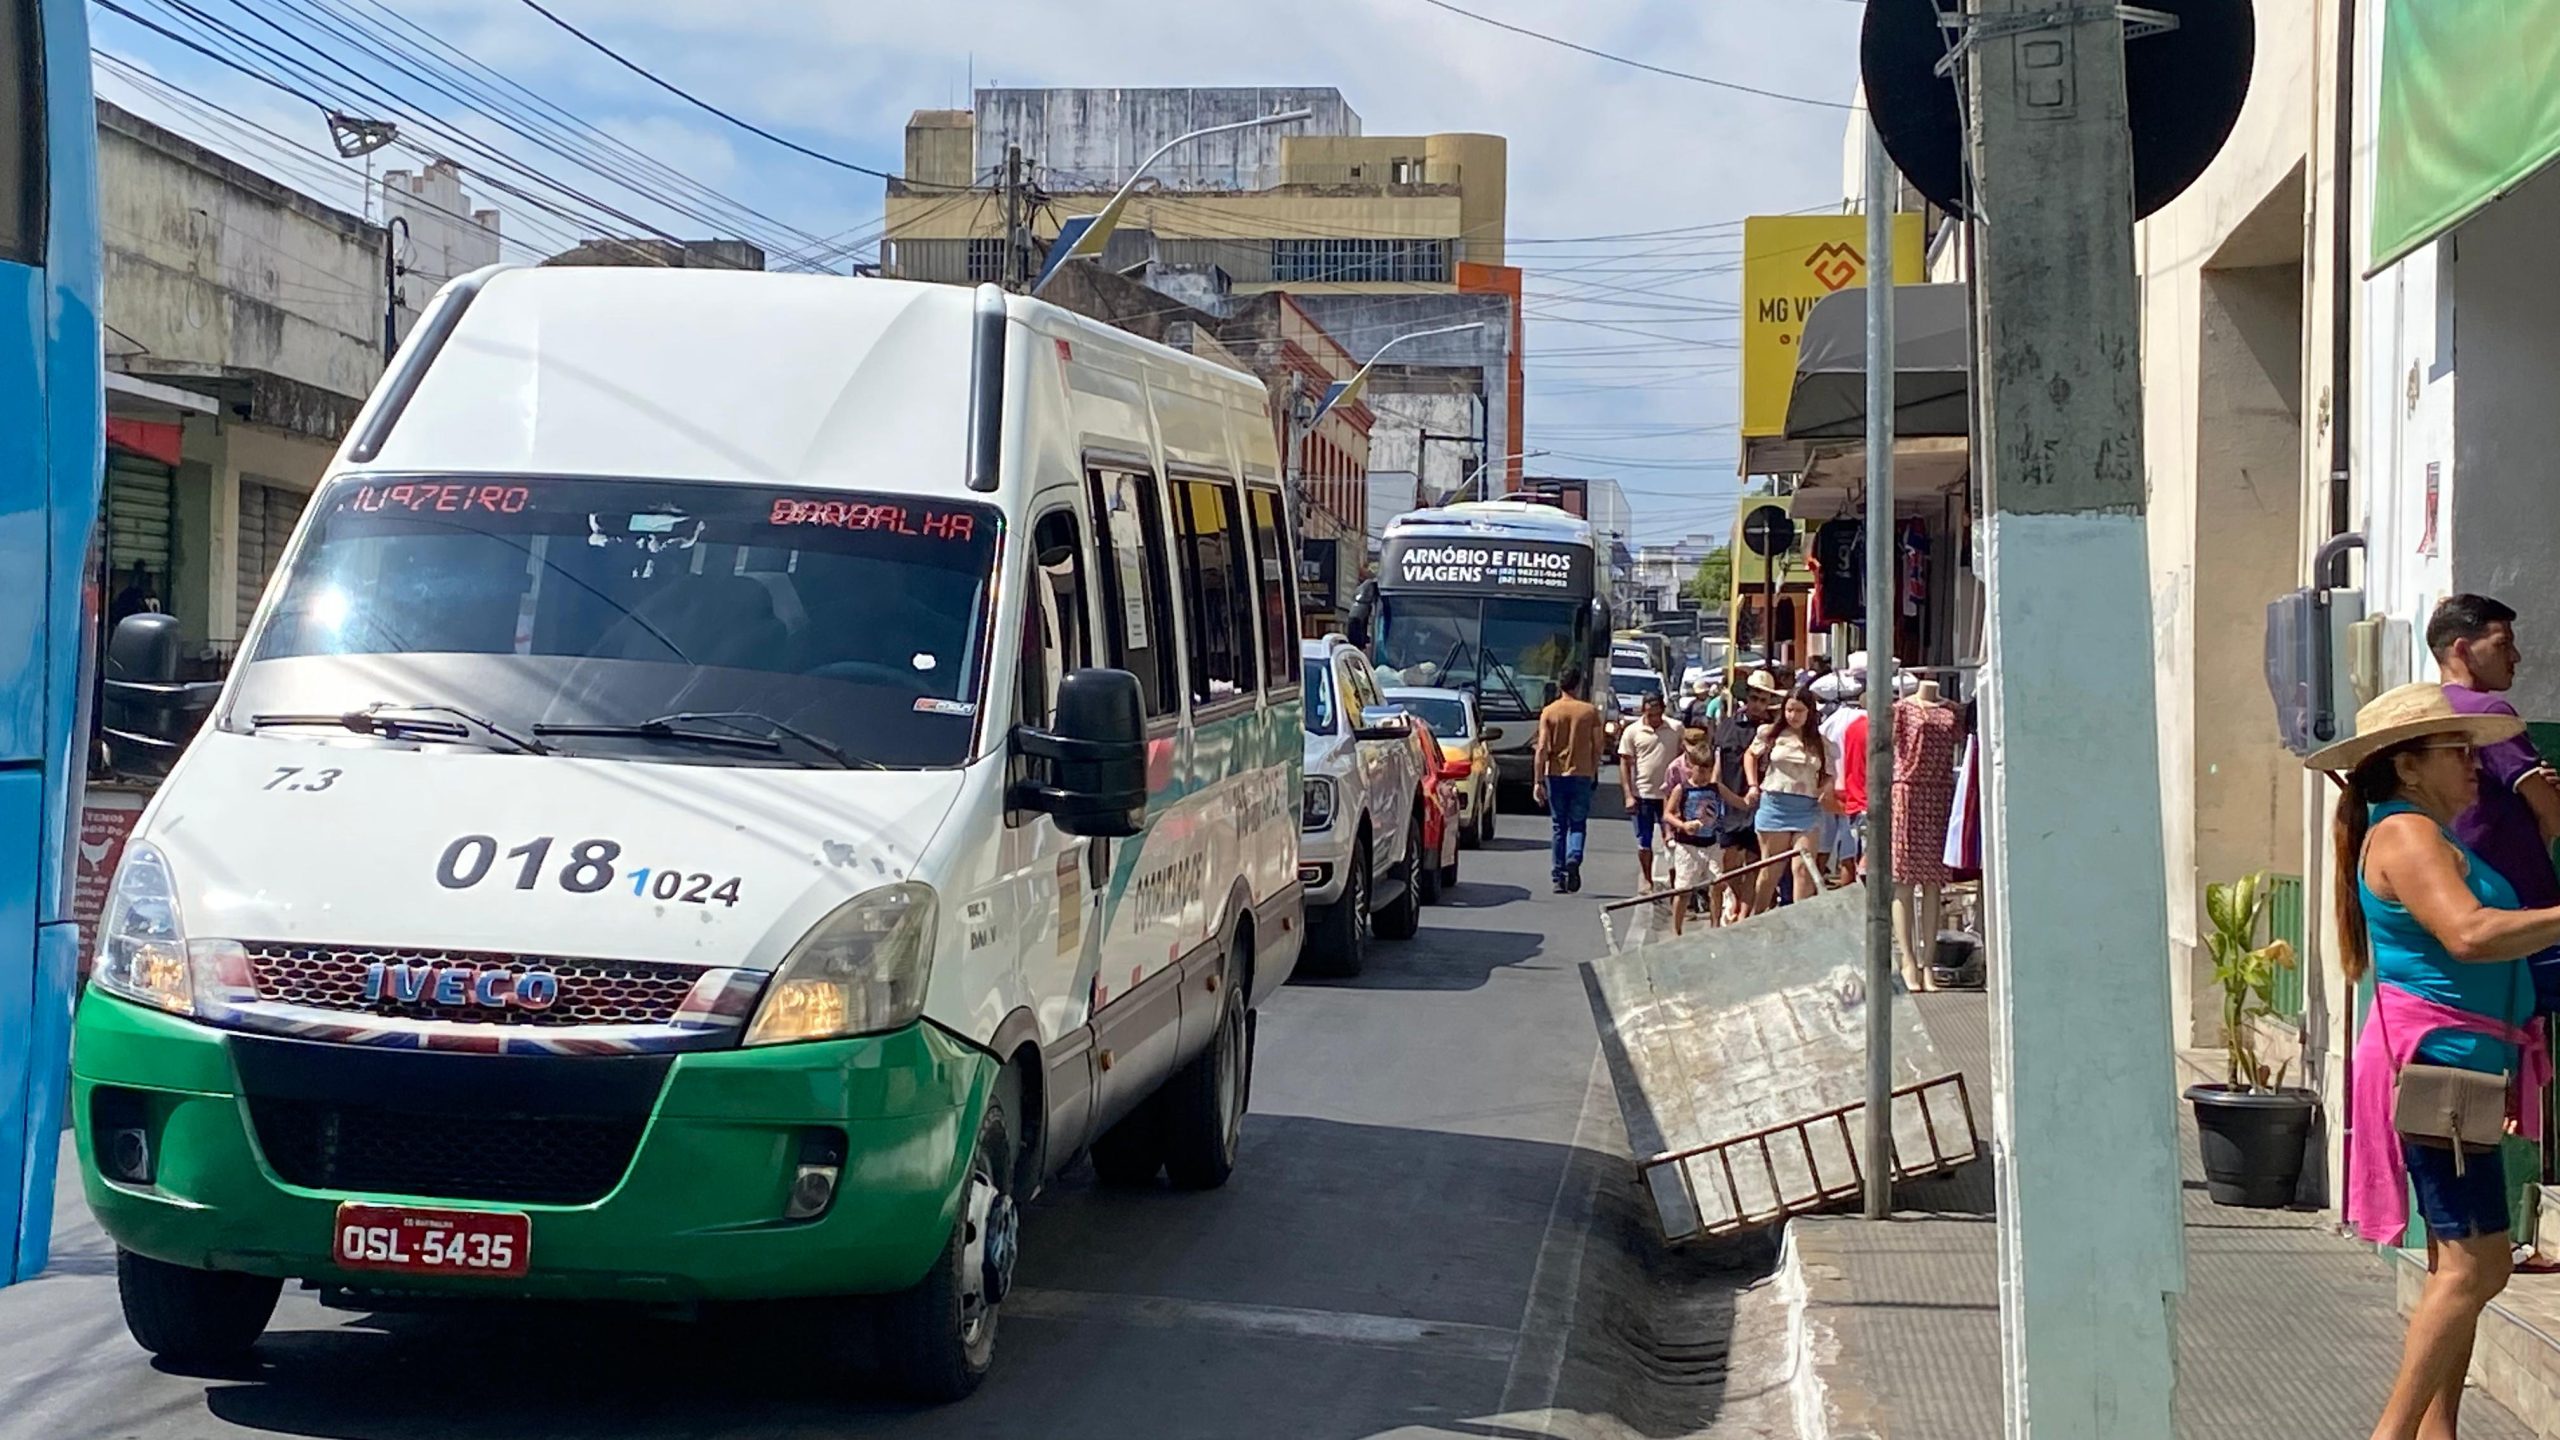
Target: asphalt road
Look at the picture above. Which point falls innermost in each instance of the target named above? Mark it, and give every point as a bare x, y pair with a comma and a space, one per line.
1396, 1256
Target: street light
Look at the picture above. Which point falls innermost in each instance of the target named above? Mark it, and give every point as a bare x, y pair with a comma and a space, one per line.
1337, 393
1084, 236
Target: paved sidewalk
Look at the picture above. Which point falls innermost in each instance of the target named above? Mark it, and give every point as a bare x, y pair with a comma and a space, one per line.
2285, 1328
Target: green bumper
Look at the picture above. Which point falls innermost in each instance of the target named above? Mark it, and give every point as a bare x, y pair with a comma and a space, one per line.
697, 1216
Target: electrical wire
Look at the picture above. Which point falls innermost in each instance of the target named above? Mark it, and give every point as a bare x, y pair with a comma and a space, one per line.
699, 103
1733, 85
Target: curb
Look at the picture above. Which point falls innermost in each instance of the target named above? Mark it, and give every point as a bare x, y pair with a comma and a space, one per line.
1829, 1399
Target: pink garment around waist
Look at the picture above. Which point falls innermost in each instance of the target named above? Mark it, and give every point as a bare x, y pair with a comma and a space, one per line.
2377, 1177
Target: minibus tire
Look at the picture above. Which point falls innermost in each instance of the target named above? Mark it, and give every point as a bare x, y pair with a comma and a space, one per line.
1128, 1155
1338, 935
193, 1317
1403, 919
1204, 1103
931, 1358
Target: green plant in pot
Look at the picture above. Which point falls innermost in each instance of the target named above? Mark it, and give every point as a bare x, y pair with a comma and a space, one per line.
2252, 1128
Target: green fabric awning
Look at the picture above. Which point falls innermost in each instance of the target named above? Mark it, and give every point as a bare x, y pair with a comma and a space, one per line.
2470, 109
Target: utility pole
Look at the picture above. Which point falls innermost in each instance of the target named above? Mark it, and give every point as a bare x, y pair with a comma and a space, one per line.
2091, 1252
1017, 246
1884, 192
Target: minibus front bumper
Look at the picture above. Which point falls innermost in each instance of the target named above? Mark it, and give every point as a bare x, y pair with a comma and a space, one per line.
670, 1182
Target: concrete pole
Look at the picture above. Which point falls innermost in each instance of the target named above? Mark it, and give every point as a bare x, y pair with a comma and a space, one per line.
2091, 1252
1884, 189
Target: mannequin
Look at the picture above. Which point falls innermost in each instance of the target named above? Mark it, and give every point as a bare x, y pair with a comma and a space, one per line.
1925, 742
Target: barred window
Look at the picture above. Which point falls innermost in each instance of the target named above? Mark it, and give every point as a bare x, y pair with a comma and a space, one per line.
1360, 261
986, 259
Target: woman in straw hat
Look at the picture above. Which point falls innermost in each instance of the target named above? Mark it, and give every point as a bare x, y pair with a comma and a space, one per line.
2441, 932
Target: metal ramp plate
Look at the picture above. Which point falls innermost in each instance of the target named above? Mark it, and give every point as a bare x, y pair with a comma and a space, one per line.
1739, 1056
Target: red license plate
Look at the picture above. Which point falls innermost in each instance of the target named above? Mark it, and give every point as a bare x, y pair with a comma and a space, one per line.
413, 1241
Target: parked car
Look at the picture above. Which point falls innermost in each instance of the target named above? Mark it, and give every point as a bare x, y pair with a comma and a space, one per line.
1359, 811
1438, 777
1630, 686
1451, 714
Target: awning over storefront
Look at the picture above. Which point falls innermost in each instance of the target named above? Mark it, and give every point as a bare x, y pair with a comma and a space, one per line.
2470, 109
1932, 342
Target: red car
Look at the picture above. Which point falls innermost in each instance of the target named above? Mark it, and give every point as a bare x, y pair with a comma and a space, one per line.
1443, 821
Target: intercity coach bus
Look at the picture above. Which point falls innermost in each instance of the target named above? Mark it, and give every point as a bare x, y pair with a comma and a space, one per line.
1494, 596
738, 779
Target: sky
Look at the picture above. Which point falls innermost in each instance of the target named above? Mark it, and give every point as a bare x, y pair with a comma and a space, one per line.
1625, 188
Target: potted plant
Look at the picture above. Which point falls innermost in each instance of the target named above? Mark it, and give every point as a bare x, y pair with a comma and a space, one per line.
2252, 1128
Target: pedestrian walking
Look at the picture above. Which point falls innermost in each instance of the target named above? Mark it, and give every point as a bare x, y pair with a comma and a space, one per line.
2517, 816
2445, 938
1564, 767
1645, 752
1789, 769
1693, 815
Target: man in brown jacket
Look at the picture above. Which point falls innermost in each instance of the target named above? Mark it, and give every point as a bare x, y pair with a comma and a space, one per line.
1565, 768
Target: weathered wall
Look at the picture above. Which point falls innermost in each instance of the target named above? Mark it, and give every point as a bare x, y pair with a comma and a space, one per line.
1089, 139
212, 268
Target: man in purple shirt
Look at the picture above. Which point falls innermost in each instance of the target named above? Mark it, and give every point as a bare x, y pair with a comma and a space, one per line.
2518, 814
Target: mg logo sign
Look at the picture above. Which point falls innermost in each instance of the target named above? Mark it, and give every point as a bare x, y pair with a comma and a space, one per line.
1835, 265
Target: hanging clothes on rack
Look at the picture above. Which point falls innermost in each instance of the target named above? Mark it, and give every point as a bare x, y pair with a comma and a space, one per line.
1963, 853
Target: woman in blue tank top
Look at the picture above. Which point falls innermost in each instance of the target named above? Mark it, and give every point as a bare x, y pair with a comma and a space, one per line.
2436, 923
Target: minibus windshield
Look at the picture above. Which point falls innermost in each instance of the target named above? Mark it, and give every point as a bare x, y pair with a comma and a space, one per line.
590, 611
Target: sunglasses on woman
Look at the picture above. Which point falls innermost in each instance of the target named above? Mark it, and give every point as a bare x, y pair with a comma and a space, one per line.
2465, 750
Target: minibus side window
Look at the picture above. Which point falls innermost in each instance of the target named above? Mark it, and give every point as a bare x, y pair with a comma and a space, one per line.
1279, 592
1211, 527
1137, 593
1054, 624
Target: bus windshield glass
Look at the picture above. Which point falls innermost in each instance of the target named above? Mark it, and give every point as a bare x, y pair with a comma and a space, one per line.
1508, 651
569, 604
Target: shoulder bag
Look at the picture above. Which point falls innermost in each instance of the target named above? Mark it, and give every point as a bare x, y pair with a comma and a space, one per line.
2447, 1104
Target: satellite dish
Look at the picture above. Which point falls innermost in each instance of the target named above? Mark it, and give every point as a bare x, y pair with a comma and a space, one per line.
2183, 90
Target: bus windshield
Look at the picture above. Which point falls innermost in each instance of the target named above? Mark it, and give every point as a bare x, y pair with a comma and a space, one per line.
583, 604
1508, 651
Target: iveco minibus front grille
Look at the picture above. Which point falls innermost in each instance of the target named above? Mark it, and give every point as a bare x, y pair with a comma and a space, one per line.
592, 992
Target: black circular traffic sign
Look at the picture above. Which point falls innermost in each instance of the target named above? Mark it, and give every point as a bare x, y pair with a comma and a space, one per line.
2183, 90
1768, 531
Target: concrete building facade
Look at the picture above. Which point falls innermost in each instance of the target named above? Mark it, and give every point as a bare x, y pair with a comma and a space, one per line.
245, 325
1375, 236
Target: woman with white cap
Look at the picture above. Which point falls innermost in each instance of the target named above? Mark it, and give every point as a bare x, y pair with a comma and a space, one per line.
2448, 1032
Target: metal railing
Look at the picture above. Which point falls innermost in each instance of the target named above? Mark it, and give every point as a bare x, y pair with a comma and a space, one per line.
1734, 1212
2285, 921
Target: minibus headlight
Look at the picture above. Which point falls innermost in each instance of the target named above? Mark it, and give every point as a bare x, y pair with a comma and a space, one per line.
860, 972
1315, 803
142, 947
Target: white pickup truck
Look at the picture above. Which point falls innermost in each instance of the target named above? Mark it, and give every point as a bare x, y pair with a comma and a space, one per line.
1359, 813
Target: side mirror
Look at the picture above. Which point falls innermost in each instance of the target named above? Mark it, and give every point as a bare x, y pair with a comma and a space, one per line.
1091, 770
1489, 734
147, 714
1381, 722
1600, 636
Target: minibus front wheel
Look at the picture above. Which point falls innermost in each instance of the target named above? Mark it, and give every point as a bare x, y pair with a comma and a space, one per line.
192, 1317
941, 1332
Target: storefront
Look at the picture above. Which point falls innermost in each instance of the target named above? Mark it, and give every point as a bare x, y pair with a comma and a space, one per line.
1936, 625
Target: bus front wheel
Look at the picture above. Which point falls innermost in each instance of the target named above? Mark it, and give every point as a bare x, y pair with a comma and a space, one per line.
941, 1333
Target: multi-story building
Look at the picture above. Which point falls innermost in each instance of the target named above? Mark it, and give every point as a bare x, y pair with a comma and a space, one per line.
1374, 237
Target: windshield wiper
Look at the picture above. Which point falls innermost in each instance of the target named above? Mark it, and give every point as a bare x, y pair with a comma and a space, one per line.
675, 727
1495, 668
391, 720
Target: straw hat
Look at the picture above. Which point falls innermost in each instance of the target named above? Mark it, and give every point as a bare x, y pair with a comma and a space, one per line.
2406, 713
1761, 683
